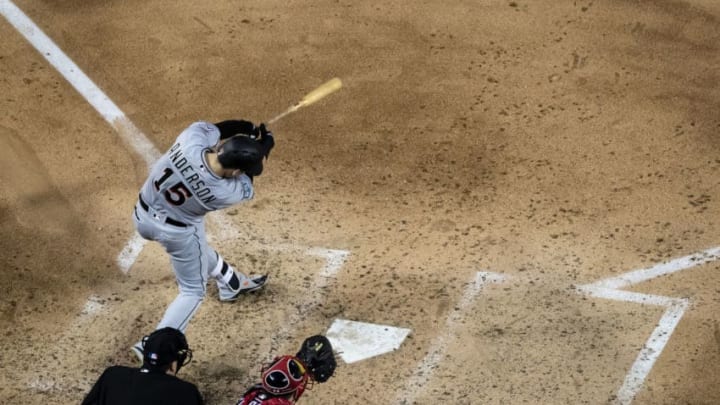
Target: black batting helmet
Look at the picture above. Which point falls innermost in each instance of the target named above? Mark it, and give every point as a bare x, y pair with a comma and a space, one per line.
164, 346
242, 152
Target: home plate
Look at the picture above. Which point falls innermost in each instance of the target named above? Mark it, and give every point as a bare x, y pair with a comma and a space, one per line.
356, 341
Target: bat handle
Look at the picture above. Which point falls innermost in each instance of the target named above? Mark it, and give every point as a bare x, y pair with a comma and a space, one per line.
288, 111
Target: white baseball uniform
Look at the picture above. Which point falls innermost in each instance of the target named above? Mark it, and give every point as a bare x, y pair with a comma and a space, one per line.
179, 191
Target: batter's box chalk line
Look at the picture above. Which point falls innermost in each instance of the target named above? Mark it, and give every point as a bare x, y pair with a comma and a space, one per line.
418, 381
76, 331
611, 288
334, 258
132, 136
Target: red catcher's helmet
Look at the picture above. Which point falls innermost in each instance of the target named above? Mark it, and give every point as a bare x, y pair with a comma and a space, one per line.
285, 375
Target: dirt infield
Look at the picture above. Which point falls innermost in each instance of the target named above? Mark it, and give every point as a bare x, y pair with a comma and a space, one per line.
550, 146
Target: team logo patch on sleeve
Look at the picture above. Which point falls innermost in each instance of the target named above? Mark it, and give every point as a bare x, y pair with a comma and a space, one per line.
247, 190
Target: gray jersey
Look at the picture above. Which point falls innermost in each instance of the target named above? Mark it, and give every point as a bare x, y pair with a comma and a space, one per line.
182, 186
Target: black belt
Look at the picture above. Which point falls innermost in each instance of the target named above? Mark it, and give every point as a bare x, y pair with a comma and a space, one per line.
167, 219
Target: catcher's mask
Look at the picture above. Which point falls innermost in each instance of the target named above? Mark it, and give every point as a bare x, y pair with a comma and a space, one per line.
164, 346
285, 375
242, 152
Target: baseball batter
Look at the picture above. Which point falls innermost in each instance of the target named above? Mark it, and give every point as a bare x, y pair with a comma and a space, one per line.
209, 167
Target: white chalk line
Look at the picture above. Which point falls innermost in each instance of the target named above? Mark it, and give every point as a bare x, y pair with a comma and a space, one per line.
69, 70
97, 99
638, 276
334, 260
610, 289
104, 106
650, 352
135, 139
77, 330
107, 109
131, 134
129, 254
79, 80
138, 141
418, 381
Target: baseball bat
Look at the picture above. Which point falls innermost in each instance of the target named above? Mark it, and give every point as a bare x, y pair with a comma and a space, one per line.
313, 96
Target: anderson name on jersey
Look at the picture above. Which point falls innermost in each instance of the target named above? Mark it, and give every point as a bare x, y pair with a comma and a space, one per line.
181, 184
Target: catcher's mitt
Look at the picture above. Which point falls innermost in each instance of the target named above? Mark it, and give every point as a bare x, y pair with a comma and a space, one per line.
317, 354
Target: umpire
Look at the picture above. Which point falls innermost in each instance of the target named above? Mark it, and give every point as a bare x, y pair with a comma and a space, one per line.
165, 351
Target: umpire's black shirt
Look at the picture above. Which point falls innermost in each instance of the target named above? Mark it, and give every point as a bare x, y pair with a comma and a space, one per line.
120, 385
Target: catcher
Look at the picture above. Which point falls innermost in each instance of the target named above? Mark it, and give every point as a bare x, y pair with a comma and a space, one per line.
286, 378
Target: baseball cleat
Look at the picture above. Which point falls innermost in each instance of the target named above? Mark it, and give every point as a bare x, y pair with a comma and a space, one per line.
249, 285
137, 351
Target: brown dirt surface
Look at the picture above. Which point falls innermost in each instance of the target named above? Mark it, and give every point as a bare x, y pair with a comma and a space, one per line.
557, 143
